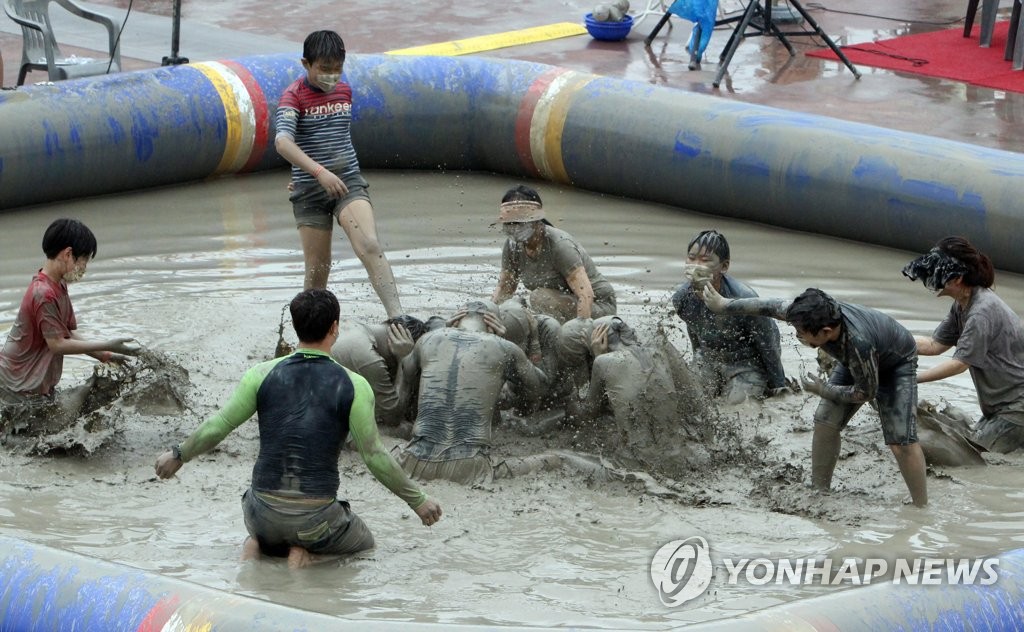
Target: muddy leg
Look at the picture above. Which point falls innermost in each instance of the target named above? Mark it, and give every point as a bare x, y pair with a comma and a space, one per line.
824, 455
250, 549
316, 251
912, 466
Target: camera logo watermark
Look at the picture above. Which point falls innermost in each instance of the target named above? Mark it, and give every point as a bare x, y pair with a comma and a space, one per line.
682, 570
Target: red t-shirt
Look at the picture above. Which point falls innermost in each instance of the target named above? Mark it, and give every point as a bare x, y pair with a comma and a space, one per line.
26, 363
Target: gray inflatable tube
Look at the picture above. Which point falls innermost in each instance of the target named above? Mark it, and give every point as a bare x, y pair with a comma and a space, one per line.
174, 124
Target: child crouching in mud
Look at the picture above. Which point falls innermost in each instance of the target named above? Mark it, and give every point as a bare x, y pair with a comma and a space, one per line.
46, 330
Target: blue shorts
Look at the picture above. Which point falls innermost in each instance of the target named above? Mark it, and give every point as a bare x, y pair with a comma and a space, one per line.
313, 206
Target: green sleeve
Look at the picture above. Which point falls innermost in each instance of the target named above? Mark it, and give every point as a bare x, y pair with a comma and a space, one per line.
382, 465
240, 407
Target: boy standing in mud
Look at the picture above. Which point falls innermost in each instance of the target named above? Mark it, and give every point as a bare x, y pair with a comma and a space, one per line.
314, 121
876, 360
32, 358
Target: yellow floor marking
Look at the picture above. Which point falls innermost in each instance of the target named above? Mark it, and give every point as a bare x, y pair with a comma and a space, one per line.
498, 40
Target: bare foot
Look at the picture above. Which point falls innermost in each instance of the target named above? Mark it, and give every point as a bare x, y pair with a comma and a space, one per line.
250, 549
299, 557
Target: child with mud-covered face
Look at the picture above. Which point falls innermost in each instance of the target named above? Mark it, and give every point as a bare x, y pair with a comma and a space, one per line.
376, 353
643, 396
562, 278
538, 335
876, 359
736, 358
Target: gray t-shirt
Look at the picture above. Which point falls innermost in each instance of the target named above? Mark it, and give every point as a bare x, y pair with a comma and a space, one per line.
364, 349
559, 255
460, 378
989, 339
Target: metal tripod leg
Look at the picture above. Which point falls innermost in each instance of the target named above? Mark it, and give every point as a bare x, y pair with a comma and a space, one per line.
662, 22
734, 42
828, 40
768, 26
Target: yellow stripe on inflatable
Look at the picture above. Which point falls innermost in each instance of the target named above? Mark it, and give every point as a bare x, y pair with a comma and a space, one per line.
238, 112
498, 40
548, 124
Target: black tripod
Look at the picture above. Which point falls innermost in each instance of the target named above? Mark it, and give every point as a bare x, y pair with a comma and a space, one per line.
174, 59
757, 20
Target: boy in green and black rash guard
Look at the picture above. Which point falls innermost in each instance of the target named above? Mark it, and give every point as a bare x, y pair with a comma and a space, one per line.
306, 405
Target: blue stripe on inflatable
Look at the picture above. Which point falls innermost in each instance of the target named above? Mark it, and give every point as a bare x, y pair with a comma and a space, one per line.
31, 599
48, 589
120, 132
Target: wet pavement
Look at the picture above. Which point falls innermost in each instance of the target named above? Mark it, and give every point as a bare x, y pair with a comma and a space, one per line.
761, 71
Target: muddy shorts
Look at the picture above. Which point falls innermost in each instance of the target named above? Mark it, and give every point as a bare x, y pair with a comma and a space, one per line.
896, 401
312, 205
1001, 433
469, 471
331, 529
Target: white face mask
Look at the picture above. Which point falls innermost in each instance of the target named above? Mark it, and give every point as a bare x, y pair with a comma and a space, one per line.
76, 274
327, 82
520, 233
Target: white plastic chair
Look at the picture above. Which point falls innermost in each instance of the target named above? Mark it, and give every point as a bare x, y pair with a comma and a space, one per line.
39, 49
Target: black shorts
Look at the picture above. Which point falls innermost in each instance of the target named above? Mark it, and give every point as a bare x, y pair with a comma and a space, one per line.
896, 401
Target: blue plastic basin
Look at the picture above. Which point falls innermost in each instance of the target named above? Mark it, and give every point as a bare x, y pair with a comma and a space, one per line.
608, 31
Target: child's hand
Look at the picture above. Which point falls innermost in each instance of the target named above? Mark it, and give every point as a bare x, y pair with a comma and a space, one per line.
400, 340
125, 346
456, 318
494, 324
332, 183
715, 301
599, 340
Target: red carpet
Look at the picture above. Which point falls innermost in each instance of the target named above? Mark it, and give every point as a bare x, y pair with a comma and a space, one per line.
946, 54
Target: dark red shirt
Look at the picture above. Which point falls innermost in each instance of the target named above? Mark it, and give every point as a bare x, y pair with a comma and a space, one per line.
26, 363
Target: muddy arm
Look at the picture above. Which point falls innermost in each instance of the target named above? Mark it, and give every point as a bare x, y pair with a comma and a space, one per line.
770, 307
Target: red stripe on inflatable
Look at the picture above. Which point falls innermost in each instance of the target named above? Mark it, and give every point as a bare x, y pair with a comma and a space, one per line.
159, 614
259, 106
524, 117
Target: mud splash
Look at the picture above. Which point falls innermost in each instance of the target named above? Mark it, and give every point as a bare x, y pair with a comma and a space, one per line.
82, 419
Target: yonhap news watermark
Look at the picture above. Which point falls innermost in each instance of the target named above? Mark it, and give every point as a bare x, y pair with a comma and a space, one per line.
683, 570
